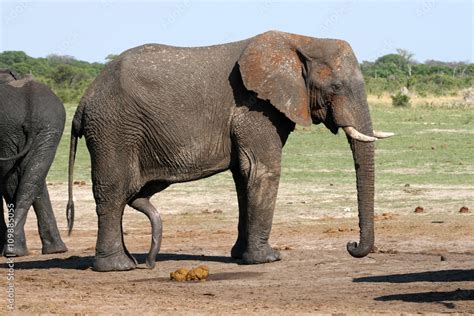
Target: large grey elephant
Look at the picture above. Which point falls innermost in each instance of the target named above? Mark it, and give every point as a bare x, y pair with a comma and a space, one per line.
31, 124
159, 115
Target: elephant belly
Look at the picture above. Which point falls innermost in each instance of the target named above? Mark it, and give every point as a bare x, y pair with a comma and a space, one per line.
183, 152
182, 166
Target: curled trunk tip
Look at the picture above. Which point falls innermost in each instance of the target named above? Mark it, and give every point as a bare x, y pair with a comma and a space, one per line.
359, 251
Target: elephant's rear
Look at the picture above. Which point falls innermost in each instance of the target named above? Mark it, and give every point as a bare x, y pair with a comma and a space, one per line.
90, 116
94, 103
31, 107
12, 116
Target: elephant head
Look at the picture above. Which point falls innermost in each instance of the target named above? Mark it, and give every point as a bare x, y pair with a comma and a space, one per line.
7, 75
316, 81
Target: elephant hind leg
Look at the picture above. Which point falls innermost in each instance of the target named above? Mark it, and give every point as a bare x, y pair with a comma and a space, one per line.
47, 227
8, 195
111, 182
3, 225
144, 205
110, 251
24, 197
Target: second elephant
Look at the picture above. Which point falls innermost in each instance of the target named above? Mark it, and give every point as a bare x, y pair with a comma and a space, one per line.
159, 115
31, 124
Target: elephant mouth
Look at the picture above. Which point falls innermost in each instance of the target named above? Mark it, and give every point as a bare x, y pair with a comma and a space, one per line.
333, 128
331, 123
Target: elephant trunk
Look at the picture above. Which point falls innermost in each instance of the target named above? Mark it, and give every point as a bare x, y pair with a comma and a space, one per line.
363, 154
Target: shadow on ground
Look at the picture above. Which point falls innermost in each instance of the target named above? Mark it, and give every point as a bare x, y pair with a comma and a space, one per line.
444, 298
86, 262
73, 262
457, 275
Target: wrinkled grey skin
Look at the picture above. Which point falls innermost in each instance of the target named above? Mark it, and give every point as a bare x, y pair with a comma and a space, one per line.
31, 123
159, 115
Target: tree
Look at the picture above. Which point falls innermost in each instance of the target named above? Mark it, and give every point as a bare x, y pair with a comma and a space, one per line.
65, 59
408, 57
63, 75
110, 57
391, 64
13, 57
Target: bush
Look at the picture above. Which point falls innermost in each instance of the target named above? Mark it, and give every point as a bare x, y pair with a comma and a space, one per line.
422, 94
400, 100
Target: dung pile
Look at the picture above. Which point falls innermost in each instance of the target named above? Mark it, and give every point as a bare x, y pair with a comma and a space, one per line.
197, 274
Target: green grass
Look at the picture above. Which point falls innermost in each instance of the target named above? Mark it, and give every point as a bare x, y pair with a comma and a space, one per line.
82, 168
433, 146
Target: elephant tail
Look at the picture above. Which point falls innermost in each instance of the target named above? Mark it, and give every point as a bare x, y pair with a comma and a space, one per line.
26, 149
76, 132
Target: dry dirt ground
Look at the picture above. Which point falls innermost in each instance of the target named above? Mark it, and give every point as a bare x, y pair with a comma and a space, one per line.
424, 262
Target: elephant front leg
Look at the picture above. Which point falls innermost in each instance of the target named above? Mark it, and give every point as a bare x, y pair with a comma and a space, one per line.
47, 227
241, 187
256, 218
111, 254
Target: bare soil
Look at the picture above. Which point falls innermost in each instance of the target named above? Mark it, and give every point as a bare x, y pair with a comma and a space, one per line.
424, 262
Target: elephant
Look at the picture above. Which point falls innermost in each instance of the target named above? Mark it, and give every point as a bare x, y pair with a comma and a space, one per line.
159, 115
32, 120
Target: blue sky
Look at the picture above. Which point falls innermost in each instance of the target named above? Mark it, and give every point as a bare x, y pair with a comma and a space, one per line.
90, 30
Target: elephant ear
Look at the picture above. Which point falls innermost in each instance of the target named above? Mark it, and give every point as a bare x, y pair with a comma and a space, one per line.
272, 67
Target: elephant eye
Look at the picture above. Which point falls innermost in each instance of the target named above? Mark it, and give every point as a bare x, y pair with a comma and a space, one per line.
336, 87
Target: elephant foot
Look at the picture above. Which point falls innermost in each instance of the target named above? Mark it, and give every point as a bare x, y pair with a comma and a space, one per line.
15, 250
116, 262
150, 262
238, 249
265, 255
58, 247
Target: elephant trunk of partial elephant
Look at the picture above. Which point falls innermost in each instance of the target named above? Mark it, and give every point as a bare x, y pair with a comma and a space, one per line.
363, 154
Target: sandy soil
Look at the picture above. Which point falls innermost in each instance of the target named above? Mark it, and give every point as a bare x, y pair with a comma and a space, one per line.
424, 262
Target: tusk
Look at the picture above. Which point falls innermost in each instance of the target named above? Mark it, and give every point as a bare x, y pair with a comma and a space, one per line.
383, 134
355, 134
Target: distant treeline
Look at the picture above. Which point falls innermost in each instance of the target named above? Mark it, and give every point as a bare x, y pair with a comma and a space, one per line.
69, 77
391, 72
